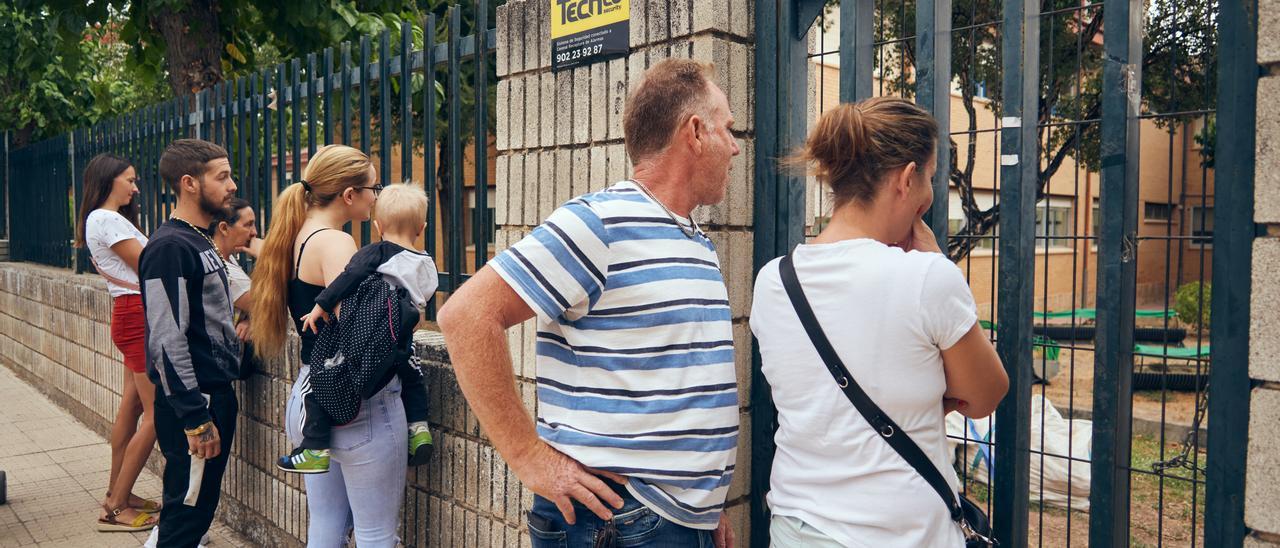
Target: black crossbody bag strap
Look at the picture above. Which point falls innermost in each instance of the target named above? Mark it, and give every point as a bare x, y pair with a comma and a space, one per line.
880, 421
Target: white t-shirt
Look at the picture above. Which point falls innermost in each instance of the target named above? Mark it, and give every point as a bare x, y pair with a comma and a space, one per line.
103, 229
888, 313
237, 279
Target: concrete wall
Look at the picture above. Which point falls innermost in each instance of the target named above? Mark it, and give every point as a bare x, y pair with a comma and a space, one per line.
54, 333
559, 135
1262, 515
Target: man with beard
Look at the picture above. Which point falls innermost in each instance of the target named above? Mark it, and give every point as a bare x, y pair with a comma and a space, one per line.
192, 350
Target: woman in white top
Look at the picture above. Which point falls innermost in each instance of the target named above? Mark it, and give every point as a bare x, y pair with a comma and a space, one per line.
902, 319
235, 231
109, 229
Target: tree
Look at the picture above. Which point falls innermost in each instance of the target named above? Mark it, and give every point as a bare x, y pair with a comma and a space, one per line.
46, 89
1178, 70
191, 45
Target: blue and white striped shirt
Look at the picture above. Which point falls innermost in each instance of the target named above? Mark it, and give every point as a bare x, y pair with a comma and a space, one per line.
635, 349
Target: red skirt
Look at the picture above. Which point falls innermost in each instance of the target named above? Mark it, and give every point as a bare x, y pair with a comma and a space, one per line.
129, 331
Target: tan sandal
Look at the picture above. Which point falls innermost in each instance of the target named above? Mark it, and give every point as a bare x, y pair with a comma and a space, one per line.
110, 524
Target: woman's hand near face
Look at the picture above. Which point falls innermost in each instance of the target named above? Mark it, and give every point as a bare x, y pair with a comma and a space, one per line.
921, 239
253, 248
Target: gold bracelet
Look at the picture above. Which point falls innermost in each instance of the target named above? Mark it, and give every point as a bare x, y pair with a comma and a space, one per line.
199, 429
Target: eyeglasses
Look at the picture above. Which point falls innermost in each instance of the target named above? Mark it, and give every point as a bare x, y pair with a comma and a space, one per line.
377, 189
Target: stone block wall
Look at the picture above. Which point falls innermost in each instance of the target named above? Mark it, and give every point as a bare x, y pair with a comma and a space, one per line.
55, 334
1262, 515
559, 135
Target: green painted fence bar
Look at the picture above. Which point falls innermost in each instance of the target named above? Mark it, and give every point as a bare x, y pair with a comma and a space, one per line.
346, 92
366, 138
857, 17
429, 181
1117, 276
429, 132
328, 96
1233, 240
455, 248
406, 102
266, 192
1020, 50
384, 107
933, 92
313, 84
282, 180
241, 155
482, 221
295, 114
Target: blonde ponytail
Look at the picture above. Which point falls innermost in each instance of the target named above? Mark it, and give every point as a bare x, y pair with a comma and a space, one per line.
332, 170
269, 314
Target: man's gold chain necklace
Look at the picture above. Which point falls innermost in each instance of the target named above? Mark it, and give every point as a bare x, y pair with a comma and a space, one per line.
206, 238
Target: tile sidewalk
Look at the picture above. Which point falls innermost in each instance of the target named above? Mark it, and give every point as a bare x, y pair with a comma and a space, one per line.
57, 473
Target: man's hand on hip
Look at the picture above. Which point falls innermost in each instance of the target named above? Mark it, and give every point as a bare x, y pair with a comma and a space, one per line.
562, 480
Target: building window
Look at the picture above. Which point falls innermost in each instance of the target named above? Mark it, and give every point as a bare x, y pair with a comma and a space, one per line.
1053, 226
1201, 225
487, 219
985, 241
1155, 212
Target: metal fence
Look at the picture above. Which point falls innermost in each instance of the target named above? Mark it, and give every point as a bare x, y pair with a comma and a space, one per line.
42, 226
399, 102
1077, 196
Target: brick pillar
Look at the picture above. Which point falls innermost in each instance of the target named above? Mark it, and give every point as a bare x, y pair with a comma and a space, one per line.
1262, 515
551, 148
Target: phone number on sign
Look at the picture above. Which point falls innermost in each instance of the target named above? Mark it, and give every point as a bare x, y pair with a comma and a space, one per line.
578, 53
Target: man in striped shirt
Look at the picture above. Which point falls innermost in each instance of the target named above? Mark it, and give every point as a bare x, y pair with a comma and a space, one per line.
637, 424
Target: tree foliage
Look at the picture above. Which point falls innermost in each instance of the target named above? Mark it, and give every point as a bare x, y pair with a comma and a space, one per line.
46, 89
162, 43
1178, 71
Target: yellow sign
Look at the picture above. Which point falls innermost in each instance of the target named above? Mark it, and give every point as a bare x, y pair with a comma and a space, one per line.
588, 31
575, 16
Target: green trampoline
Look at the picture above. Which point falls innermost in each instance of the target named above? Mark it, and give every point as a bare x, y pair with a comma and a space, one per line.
1092, 314
1158, 351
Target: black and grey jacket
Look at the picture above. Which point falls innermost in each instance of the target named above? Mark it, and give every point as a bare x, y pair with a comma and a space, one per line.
191, 343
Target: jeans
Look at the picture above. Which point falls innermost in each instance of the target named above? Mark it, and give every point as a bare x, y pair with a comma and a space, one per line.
364, 487
636, 524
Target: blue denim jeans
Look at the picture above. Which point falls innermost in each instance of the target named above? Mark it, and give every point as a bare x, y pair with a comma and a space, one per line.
364, 487
636, 524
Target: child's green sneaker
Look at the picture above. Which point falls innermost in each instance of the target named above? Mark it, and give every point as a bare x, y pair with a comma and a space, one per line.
305, 461
420, 444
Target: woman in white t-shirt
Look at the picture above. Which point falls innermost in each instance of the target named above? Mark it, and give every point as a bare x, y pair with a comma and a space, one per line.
235, 230
902, 319
108, 227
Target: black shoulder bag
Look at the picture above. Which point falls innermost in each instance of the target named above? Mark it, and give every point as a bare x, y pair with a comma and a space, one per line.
973, 523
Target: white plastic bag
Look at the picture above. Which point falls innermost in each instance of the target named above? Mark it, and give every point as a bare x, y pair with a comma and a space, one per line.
1062, 438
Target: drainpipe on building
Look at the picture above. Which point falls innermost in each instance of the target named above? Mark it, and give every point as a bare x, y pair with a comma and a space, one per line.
1088, 249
